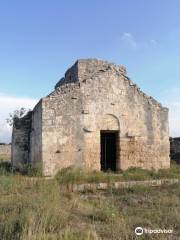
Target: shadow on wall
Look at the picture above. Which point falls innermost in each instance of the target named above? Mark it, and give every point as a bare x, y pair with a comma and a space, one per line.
175, 149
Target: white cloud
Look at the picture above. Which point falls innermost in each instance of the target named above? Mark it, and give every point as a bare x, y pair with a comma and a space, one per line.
129, 39
7, 105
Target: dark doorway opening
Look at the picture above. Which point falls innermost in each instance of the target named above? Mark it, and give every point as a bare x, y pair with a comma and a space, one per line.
108, 150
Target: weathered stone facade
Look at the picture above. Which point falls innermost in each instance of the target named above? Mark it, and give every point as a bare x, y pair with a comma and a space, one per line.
175, 149
94, 97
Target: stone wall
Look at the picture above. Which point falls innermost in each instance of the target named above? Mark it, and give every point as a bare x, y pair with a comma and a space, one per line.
93, 96
62, 131
5, 151
36, 135
97, 95
112, 101
21, 140
91, 187
175, 149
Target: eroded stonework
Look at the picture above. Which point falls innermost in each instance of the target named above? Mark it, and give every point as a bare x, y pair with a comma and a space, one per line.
64, 129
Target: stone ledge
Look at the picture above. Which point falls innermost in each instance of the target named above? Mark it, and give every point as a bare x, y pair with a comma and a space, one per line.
119, 185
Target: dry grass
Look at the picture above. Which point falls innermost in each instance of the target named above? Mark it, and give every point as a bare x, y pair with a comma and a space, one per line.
35, 209
76, 175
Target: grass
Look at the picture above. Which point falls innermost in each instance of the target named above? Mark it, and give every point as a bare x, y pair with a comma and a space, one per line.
5, 168
76, 175
36, 209
26, 169
73, 175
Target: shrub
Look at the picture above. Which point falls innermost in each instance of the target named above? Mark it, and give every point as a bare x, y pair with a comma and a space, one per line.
5, 168
32, 170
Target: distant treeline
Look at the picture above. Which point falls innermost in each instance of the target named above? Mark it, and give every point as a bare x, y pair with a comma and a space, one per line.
5, 143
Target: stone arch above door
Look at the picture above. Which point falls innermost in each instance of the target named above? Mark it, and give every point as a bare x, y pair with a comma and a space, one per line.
104, 122
108, 122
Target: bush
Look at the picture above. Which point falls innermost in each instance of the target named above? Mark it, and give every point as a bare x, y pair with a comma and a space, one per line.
32, 170
5, 168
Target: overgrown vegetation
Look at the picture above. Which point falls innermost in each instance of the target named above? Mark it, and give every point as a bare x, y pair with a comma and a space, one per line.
31, 171
36, 209
5, 167
17, 114
76, 175
73, 175
26, 169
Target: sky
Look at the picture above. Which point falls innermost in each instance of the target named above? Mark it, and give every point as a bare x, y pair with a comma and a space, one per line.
40, 39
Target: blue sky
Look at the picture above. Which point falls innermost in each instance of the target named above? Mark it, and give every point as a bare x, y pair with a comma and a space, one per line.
40, 39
